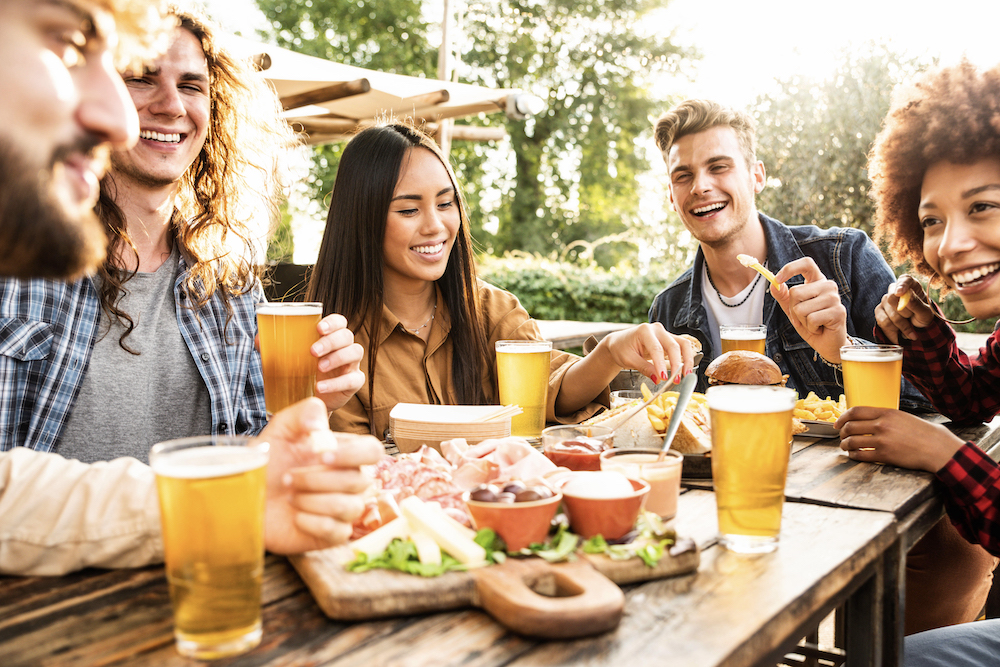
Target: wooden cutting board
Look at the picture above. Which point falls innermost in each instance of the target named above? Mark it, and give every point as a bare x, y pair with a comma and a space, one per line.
527, 595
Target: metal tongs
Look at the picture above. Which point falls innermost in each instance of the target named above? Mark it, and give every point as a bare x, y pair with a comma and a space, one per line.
663, 386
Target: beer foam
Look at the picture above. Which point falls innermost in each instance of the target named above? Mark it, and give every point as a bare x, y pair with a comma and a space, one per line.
208, 461
743, 334
870, 354
751, 399
290, 309
524, 348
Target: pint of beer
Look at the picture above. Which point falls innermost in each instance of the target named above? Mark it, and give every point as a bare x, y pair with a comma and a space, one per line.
212, 510
287, 330
751, 443
523, 377
748, 337
872, 375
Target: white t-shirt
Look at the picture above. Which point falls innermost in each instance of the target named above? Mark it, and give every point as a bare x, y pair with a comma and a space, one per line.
750, 311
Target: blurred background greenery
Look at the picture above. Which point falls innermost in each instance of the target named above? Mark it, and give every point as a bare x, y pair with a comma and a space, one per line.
571, 213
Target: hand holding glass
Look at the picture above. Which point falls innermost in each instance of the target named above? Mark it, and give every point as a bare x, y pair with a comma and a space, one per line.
872, 375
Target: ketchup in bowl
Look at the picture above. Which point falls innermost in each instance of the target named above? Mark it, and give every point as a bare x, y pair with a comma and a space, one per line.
576, 447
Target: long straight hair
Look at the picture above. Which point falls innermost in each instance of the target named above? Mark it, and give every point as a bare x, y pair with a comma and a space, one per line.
348, 277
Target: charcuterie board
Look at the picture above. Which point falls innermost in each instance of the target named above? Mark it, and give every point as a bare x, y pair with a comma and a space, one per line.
527, 595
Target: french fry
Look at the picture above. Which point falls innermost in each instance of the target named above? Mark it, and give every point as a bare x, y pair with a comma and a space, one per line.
814, 408
752, 263
903, 301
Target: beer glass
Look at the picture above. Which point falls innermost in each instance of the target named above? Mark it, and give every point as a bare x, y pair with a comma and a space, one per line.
748, 337
872, 375
211, 493
751, 443
664, 477
287, 330
523, 378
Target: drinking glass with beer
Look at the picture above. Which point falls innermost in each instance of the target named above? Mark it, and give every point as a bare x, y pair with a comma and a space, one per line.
751, 444
211, 492
523, 377
287, 331
872, 375
749, 337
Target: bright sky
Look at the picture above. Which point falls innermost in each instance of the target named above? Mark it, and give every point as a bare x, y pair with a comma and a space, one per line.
747, 45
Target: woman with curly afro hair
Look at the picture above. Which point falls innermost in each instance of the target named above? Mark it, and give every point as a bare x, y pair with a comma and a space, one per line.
935, 170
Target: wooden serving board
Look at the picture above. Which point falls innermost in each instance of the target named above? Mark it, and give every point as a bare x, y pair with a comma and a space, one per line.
527, 595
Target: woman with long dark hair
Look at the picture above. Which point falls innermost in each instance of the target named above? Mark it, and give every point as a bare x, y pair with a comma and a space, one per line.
397, 261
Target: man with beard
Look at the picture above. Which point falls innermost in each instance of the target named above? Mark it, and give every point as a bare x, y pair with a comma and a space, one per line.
63, 104
160, 344
715, 176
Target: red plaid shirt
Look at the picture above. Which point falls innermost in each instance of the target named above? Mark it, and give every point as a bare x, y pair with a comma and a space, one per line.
963, 389
972, 498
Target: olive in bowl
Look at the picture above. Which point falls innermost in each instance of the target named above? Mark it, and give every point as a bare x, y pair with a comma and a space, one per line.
519, 513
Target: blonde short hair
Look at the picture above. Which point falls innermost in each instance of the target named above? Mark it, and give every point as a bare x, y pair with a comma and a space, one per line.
693, 116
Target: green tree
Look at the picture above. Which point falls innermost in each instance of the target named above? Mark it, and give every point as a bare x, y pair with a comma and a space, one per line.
576, 164
814, 136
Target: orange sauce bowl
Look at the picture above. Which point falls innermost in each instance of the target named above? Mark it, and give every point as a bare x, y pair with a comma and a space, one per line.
611, 518
518, 524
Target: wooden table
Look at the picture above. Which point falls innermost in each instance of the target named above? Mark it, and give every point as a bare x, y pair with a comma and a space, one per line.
845, 531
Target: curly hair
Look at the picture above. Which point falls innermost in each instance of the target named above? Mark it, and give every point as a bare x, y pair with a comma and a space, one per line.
694, 116
948, 114
237, 176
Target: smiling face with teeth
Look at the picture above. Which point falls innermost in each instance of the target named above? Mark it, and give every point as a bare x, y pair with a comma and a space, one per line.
960, 216
423, 221
172, 98
712, 188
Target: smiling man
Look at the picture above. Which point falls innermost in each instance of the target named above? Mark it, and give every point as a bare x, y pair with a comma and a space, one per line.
831, 282
160, 344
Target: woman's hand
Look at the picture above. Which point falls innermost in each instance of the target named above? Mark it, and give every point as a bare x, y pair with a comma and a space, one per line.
891, 436
651, 350
313, 496
339, 373
903, 309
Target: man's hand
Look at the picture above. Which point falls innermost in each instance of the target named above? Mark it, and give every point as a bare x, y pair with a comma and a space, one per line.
814, 307
313, 497
903, 309
895, 437
339, 373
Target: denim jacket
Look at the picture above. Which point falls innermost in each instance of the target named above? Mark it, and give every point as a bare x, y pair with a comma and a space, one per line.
846, 256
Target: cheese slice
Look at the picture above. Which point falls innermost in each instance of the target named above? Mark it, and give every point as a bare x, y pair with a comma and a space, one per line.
428, 550
377, 541
434, 522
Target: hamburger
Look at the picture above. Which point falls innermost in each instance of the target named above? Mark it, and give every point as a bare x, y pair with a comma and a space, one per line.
744, 367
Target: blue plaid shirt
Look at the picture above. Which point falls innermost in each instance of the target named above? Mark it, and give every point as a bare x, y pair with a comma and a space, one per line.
47, 333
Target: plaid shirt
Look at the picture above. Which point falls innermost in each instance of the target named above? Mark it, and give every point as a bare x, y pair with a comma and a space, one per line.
961, 388
47, 333
972, 482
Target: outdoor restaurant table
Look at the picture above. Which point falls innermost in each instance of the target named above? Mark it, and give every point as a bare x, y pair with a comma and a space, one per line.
840, 545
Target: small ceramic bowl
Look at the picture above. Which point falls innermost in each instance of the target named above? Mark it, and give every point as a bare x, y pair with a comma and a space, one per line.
609, 517
558, 444
518, 524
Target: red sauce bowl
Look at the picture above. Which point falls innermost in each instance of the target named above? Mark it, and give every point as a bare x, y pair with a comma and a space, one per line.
576, 447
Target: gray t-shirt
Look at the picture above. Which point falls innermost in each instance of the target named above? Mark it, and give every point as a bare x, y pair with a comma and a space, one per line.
127, 402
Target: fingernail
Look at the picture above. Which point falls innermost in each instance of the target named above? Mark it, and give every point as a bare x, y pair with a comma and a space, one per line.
286, 479
677, 379
653, 378
324, 326
328, 458
663, 374
688, 372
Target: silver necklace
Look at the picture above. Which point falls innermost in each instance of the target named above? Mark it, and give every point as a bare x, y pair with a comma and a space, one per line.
429, 320
719, 294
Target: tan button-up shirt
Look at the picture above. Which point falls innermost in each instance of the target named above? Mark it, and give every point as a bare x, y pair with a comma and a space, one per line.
407, 370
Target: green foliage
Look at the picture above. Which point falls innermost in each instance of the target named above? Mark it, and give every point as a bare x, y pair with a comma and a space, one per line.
814, 136
550, 289
281, 246
575, 164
